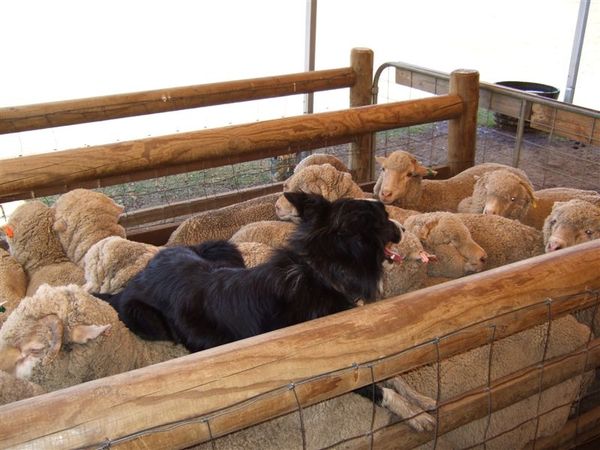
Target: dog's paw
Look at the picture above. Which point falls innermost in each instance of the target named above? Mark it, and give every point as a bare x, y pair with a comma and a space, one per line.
422, 422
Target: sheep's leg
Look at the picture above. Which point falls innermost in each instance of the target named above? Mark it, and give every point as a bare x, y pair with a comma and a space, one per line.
404, 389
397, 404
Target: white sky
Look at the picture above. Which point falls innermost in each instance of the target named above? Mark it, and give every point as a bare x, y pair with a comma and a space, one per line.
61, 49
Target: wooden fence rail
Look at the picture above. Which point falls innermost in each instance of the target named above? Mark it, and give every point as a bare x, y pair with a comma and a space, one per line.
140, 409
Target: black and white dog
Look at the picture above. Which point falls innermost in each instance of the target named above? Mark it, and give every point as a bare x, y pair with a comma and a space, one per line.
203, 296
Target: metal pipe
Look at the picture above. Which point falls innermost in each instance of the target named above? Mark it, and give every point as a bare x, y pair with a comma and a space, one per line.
582, 17
309, 49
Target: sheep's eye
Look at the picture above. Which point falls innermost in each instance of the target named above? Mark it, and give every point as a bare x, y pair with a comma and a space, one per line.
589, 233
409, 174
553, 222
512, 199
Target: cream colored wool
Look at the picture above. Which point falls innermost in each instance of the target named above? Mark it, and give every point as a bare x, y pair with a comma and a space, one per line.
504, 240
445, 235
545, 199
111, 262
321, 158
223, 222
13, 283
83, 217
75, 337
274, 233
36, 247
13, 389
254, 253
504, 192
401, 183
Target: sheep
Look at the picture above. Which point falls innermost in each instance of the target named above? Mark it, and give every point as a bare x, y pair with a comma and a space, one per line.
400, 183
63, 336
111, 262
254, 253
354, 417
319, 159
332, 184
444, 235
83, 217
570, 223
37, 248
545, 199
223, 222
13, 389
271, 232
504, 240
13, 284
507, 193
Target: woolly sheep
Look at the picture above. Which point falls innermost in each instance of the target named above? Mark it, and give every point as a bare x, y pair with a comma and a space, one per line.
401, 183
13, 389
83, 217
332, 184
223, 222
507, 193
13, 284
111, 262
62, 336
254, 253
445, 235
319, 159
570, 223
351, 416
35, 246
504, 240
545, 199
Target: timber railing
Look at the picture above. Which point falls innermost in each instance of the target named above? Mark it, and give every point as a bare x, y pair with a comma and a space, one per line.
185, 401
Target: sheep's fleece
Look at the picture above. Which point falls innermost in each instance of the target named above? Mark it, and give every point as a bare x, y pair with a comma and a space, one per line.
83, 217
350, 415
223, 222
111, 262
37, 248
63, 336
13, 283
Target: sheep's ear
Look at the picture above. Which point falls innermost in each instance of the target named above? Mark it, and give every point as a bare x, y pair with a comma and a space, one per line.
381, 160
422, 171
529, 191
424, 231
80, 334
60, 225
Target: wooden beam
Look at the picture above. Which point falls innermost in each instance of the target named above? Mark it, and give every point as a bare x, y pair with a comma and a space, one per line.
361, 157
568, 124
45, 115
462, 131
142, 407
214, 147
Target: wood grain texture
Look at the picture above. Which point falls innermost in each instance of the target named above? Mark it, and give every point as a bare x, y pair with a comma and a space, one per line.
214, 147
462, 131
69, 112
124, 408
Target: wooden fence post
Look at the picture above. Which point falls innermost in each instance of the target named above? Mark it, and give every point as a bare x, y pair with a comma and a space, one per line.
462, 132
361, 151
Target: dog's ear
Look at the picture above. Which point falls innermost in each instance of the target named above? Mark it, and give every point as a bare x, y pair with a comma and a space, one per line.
307, 205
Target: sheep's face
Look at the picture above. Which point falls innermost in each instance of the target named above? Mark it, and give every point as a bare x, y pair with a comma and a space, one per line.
399, 171
570, 223
502, 193
323, 179
450, 241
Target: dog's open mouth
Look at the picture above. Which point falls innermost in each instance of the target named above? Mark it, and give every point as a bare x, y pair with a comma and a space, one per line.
393, 256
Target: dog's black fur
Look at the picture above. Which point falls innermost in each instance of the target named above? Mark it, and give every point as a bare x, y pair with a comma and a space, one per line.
202, 296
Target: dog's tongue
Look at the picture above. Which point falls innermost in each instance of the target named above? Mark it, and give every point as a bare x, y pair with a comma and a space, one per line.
393, 256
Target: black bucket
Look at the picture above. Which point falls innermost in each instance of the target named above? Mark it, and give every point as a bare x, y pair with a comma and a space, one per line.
543, 90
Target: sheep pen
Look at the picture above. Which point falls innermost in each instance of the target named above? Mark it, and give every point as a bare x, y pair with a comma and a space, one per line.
198, 398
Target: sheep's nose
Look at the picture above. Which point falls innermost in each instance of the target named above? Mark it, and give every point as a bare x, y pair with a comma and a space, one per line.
483, 259
489, 210
385, 193
554, 244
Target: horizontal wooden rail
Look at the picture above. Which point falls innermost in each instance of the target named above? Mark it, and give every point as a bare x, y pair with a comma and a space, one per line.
155, 407
19, 177
70, 112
